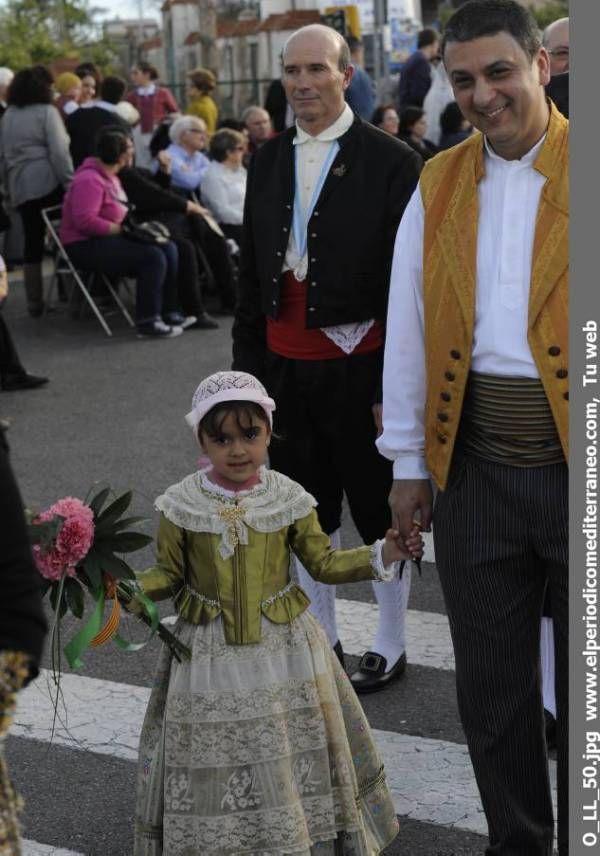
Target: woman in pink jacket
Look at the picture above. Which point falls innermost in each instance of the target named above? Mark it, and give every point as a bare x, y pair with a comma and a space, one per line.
91, 230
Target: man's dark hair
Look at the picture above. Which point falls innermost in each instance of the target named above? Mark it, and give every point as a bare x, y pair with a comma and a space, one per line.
479, 18
112, 89
30, 86
110, 144
426, 37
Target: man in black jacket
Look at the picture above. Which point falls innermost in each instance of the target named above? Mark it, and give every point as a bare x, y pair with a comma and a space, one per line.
323, 204
84, 124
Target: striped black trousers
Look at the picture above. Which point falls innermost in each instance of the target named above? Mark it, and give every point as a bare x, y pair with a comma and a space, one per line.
501, 537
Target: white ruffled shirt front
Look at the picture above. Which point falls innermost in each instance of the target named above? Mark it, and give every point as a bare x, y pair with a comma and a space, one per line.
311, 153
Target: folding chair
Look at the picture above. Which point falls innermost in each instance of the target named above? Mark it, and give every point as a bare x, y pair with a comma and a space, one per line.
65, 267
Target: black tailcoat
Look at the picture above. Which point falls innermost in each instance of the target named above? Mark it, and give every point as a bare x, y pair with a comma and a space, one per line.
351, 234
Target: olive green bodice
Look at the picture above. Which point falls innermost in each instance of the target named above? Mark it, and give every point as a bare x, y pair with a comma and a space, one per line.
254, 581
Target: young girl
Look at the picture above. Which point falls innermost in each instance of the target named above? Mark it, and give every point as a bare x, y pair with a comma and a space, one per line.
258, 745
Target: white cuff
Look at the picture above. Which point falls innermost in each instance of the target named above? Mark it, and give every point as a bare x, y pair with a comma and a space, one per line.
383, 573
410, 467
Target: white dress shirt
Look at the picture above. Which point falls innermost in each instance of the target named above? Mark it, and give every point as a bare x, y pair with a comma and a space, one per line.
311, 153
146, 90
224, 191
508, 198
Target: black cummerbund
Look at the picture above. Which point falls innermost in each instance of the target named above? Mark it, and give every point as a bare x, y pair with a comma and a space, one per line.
508, 420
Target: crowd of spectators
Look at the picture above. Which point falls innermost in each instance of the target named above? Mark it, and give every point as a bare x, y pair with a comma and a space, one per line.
128, 153
82, 142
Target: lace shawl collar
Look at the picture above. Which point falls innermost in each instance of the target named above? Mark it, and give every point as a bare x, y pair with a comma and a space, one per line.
199, 505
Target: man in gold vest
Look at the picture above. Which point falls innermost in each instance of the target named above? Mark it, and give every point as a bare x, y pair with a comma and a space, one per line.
475, 399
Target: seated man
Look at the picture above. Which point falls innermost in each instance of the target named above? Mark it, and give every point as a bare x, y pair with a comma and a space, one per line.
260, 129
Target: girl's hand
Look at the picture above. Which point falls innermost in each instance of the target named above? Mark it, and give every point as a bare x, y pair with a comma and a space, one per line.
397, 549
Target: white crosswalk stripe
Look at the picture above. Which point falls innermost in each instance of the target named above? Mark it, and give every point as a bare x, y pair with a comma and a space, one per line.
106, 717
33, 848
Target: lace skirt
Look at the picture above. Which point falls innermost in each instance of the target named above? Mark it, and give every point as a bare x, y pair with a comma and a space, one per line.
259, 750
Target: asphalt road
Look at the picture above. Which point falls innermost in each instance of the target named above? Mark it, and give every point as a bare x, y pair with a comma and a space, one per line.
113, 413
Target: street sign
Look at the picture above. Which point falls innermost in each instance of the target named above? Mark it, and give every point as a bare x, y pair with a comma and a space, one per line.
336, 20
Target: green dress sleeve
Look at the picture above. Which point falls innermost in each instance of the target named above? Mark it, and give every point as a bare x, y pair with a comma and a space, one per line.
165, 579
324, 564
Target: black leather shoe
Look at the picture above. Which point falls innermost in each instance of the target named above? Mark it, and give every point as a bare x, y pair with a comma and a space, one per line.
11, 383
371, 675
204, 322
550, 727
339, 653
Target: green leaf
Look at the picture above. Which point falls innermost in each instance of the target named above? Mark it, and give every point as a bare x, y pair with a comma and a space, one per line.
75, 597
92, 569
129, 542
98, 501
114, 566
112, 512
104, 530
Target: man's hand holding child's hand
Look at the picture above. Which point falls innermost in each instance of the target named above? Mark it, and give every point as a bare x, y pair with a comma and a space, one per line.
397, 549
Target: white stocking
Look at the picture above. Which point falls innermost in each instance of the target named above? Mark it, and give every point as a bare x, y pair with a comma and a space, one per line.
322, 597
547, 658
392, 599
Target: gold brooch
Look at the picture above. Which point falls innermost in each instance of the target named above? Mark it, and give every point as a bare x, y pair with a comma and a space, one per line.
232, 514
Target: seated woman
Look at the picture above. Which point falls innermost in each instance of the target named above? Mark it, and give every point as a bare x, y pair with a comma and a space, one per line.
188, 163
386, 117
413, 128
153, 200
224, 182
94, 208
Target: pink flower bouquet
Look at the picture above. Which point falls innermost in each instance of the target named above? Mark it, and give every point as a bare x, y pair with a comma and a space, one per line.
73, 540
75, 546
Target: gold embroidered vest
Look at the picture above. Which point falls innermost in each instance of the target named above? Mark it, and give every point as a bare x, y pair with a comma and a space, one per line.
449, 191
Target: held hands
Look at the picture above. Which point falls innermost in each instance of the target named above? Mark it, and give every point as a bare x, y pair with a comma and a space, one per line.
396, 548
410, 500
